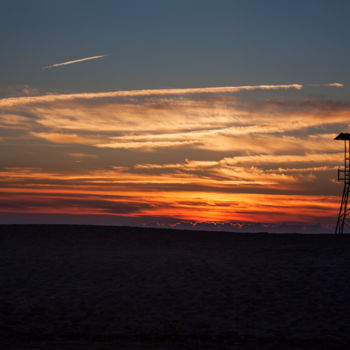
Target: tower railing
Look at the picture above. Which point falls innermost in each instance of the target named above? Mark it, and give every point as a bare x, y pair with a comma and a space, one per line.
343, 175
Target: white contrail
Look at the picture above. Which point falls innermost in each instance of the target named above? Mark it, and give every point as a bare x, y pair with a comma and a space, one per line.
74, 61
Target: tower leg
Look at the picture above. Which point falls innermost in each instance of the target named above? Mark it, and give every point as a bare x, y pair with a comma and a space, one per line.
343, 210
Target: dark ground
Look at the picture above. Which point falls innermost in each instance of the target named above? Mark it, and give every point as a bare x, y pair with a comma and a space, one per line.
95, 287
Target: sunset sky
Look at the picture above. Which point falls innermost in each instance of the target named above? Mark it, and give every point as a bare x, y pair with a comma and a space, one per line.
186, 114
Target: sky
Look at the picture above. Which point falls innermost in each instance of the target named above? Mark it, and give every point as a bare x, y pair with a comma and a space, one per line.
203, 114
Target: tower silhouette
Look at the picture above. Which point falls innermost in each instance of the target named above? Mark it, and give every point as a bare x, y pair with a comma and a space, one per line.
344, 175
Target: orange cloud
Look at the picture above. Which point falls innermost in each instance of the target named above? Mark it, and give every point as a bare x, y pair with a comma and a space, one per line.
215, 157
198, 123
191, 205
12, 101
65, 138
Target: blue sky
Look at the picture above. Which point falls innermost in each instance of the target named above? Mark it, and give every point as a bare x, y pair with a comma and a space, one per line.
157, 44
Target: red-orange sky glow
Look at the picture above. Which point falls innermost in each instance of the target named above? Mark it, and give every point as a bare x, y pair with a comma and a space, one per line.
242, 158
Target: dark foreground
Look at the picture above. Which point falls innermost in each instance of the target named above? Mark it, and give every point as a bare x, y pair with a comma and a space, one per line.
83, 287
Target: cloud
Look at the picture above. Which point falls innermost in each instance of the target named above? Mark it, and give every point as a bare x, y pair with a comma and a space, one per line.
73, 204
339, 85
280, 172
19, 90
194, 206
82, 155
252, 173
179, 155
65, 138
336, 85
74, 61
14, 121
12, 101
194, 190
220, 123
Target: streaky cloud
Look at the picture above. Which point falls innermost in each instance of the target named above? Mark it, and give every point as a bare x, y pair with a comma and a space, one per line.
217, 156
336, 84
339, 85
73, 61
12, 101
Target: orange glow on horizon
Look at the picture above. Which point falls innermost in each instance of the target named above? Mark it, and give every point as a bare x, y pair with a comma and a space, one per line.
194, 155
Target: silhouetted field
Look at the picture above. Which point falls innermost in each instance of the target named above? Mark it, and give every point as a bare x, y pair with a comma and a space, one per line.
95, 287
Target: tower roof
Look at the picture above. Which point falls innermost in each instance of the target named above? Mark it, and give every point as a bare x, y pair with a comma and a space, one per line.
343, 136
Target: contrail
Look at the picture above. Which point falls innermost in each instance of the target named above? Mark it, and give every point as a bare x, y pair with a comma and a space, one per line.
74, 61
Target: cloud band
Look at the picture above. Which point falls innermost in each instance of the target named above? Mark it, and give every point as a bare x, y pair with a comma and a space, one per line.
8, 102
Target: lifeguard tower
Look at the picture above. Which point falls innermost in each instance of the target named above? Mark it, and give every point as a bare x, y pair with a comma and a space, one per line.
344, 175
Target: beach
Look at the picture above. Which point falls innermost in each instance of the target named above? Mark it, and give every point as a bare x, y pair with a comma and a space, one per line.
104, 287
